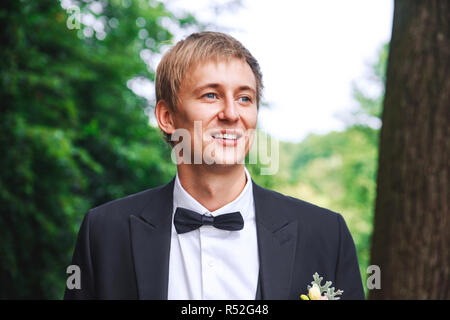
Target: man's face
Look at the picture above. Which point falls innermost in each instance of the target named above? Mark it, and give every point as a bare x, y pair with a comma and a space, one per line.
220, 96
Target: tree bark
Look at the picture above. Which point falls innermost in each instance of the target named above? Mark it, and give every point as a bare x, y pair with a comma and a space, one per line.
411, 236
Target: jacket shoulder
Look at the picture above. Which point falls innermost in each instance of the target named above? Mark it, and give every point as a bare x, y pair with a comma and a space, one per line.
296, 208
122, 208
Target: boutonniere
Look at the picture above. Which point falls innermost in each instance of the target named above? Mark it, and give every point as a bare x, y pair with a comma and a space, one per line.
318, 292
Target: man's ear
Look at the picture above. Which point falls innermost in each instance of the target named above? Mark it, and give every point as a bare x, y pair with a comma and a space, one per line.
164, 116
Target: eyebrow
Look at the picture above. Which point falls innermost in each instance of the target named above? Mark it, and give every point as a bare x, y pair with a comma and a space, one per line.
247, 88
216, 85
206, 86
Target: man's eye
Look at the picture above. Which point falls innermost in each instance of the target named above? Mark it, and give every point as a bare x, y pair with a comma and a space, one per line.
210, 95
245, 99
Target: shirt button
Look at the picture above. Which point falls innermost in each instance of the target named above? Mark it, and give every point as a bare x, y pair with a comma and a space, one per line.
211, 263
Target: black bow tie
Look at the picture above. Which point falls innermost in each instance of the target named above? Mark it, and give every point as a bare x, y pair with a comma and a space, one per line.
186, 220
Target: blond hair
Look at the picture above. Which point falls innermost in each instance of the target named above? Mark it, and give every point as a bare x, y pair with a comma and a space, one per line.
196, 48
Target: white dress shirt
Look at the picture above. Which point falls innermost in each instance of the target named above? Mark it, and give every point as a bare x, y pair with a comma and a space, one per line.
210, 263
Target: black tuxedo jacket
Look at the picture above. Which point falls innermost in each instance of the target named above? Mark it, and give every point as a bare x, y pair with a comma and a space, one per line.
123, 247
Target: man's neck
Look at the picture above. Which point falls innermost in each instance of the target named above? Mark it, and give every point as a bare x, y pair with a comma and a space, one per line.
213, 187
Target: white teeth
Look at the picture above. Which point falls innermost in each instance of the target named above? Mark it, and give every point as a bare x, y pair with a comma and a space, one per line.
225, 136
229, 136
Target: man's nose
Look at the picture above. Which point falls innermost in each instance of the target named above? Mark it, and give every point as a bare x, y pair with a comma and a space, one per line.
229, 111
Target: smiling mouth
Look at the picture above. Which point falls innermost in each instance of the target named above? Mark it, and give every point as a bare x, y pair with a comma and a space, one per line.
226, 136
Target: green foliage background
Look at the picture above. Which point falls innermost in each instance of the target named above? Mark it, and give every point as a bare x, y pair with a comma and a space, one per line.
74, 136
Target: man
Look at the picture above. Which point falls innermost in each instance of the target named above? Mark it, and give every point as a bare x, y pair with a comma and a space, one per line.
211, 233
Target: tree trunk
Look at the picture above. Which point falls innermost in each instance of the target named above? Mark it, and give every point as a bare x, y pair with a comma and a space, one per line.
411, 236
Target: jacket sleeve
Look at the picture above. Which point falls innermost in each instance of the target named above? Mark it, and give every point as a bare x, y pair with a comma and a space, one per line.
82, 258
348, 277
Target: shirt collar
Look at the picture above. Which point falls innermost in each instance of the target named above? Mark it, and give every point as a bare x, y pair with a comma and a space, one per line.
243, 202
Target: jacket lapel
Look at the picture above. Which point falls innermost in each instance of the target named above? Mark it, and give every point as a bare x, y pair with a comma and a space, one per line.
277, 240
150, 240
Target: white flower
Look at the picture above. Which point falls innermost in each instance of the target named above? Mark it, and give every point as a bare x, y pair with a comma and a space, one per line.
314, 292
319, 292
